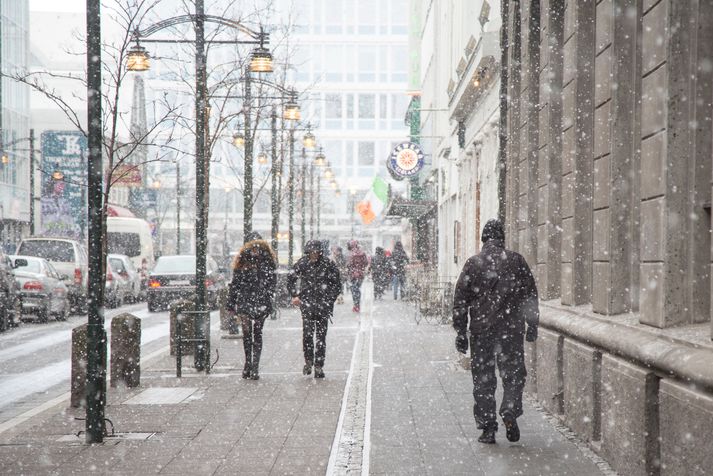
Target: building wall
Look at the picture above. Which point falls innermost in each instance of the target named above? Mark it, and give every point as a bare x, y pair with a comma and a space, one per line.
14, 123
608, 198
459, 122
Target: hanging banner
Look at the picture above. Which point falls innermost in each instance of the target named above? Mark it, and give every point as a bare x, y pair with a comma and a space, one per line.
406, 160
63, 179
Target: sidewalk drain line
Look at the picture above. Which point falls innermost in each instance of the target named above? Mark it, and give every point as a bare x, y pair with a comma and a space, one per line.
350, 448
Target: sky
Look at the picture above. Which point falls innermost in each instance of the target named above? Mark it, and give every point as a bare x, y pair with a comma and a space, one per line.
58, 6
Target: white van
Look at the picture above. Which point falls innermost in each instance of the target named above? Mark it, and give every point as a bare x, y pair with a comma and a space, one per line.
131, 237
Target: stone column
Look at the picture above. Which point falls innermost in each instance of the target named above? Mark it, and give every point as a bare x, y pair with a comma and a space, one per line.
530, 128
550, 173
577, 167
513, 124
667, 139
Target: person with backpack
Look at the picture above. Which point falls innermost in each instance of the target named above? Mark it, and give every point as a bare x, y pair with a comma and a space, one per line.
318, 290
357, 264
250, 298
496, 300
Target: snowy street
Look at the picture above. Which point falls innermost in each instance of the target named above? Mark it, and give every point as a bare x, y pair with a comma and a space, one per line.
395, 401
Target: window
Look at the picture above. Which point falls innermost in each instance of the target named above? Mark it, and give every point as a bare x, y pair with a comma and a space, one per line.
51, 250
128, 244
367, 16
350, 110
333, 110
383, 119
334, 15
399, 104
399, 63
399, 17
350, 67
367, 111
367, 63
365, 159
334, 62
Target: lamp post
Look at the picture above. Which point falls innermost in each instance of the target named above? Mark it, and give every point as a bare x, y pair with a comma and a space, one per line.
311, 201
274, 206
291, 199
226, 247
352, 205
178, 206
303, 225
260, 62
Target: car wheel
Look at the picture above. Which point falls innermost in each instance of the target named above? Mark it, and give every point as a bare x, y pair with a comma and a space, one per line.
43, 315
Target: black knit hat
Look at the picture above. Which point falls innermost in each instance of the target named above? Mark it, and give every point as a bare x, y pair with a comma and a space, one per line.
493, 230
313, 245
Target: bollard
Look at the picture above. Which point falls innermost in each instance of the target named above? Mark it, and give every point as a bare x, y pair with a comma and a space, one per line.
78, 383
187, 329
125, 362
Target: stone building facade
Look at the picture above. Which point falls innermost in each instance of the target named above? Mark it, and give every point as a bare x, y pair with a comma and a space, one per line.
608, 196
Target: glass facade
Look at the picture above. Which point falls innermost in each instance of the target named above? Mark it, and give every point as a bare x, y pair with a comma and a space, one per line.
15, 121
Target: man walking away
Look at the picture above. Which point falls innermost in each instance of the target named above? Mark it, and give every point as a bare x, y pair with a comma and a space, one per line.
341, 261
356, 267
250, 297
495, 297
319, 287
399, 260
380, 272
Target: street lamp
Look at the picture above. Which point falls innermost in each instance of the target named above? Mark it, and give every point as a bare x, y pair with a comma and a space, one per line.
262, 157
309, 141
138, 59
320, 159
238, 139
5, 159
291, 111
260, 62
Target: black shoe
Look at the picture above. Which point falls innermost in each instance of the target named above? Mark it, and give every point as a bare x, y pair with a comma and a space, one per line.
254, 374
307, 369
246, 371
512, 431
488, 436
318, 372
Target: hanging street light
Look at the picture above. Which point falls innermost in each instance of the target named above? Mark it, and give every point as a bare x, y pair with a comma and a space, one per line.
309, 140
320, 159
328, 173
156, 184
5, 159
291, 111
261, 58
138, 59
262, 157
238, 139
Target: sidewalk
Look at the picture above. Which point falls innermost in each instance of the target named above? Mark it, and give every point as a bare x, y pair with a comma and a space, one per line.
405, 409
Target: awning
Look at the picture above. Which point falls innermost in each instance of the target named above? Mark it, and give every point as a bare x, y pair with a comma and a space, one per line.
400, 207
118, 211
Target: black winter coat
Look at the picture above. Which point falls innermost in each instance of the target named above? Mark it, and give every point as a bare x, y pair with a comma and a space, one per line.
320, 284
495, 288
252, 290
399, 260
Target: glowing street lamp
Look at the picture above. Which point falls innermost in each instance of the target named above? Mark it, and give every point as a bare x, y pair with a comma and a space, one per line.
138, 59
320, 159
262, 157
238, 139
309, 140
291, 111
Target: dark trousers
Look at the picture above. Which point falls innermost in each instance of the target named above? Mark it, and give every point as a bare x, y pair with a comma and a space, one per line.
252, 339
506, 349
356, 291
314, 334
399, 282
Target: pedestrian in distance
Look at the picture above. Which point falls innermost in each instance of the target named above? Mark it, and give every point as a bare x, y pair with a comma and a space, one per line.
399, 260
380, 272
250, 298
341, 261
319, 286
496, 300
357, 263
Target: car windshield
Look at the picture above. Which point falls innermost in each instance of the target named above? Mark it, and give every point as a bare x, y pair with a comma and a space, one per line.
51, 250
175, 264
117, 265
33, 266
128, 244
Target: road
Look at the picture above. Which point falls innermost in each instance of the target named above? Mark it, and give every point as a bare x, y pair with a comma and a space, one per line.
35, 360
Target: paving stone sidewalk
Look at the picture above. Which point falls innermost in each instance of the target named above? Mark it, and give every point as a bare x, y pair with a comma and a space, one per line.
418, 408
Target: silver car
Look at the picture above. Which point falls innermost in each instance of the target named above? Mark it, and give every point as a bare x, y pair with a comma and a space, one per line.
43, 291
124, 267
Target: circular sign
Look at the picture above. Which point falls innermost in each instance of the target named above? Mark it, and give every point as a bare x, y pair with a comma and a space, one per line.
406, 160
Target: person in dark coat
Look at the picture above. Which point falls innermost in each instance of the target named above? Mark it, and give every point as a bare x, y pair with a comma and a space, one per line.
380, 272
399, 260
250, 298
320, 284
341, 261
357, 263
496, 299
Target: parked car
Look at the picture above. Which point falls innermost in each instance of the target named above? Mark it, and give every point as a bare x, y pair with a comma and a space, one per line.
116, 285
9, 295
43, 291
68, 257
174, 278
124, 267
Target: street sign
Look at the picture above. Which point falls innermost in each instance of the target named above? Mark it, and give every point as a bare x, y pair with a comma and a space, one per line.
406, 160
63, 179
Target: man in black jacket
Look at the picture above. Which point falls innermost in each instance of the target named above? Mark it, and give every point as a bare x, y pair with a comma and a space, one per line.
320, 284
495, 297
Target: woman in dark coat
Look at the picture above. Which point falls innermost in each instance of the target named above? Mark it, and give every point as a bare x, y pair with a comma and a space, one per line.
250, 298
